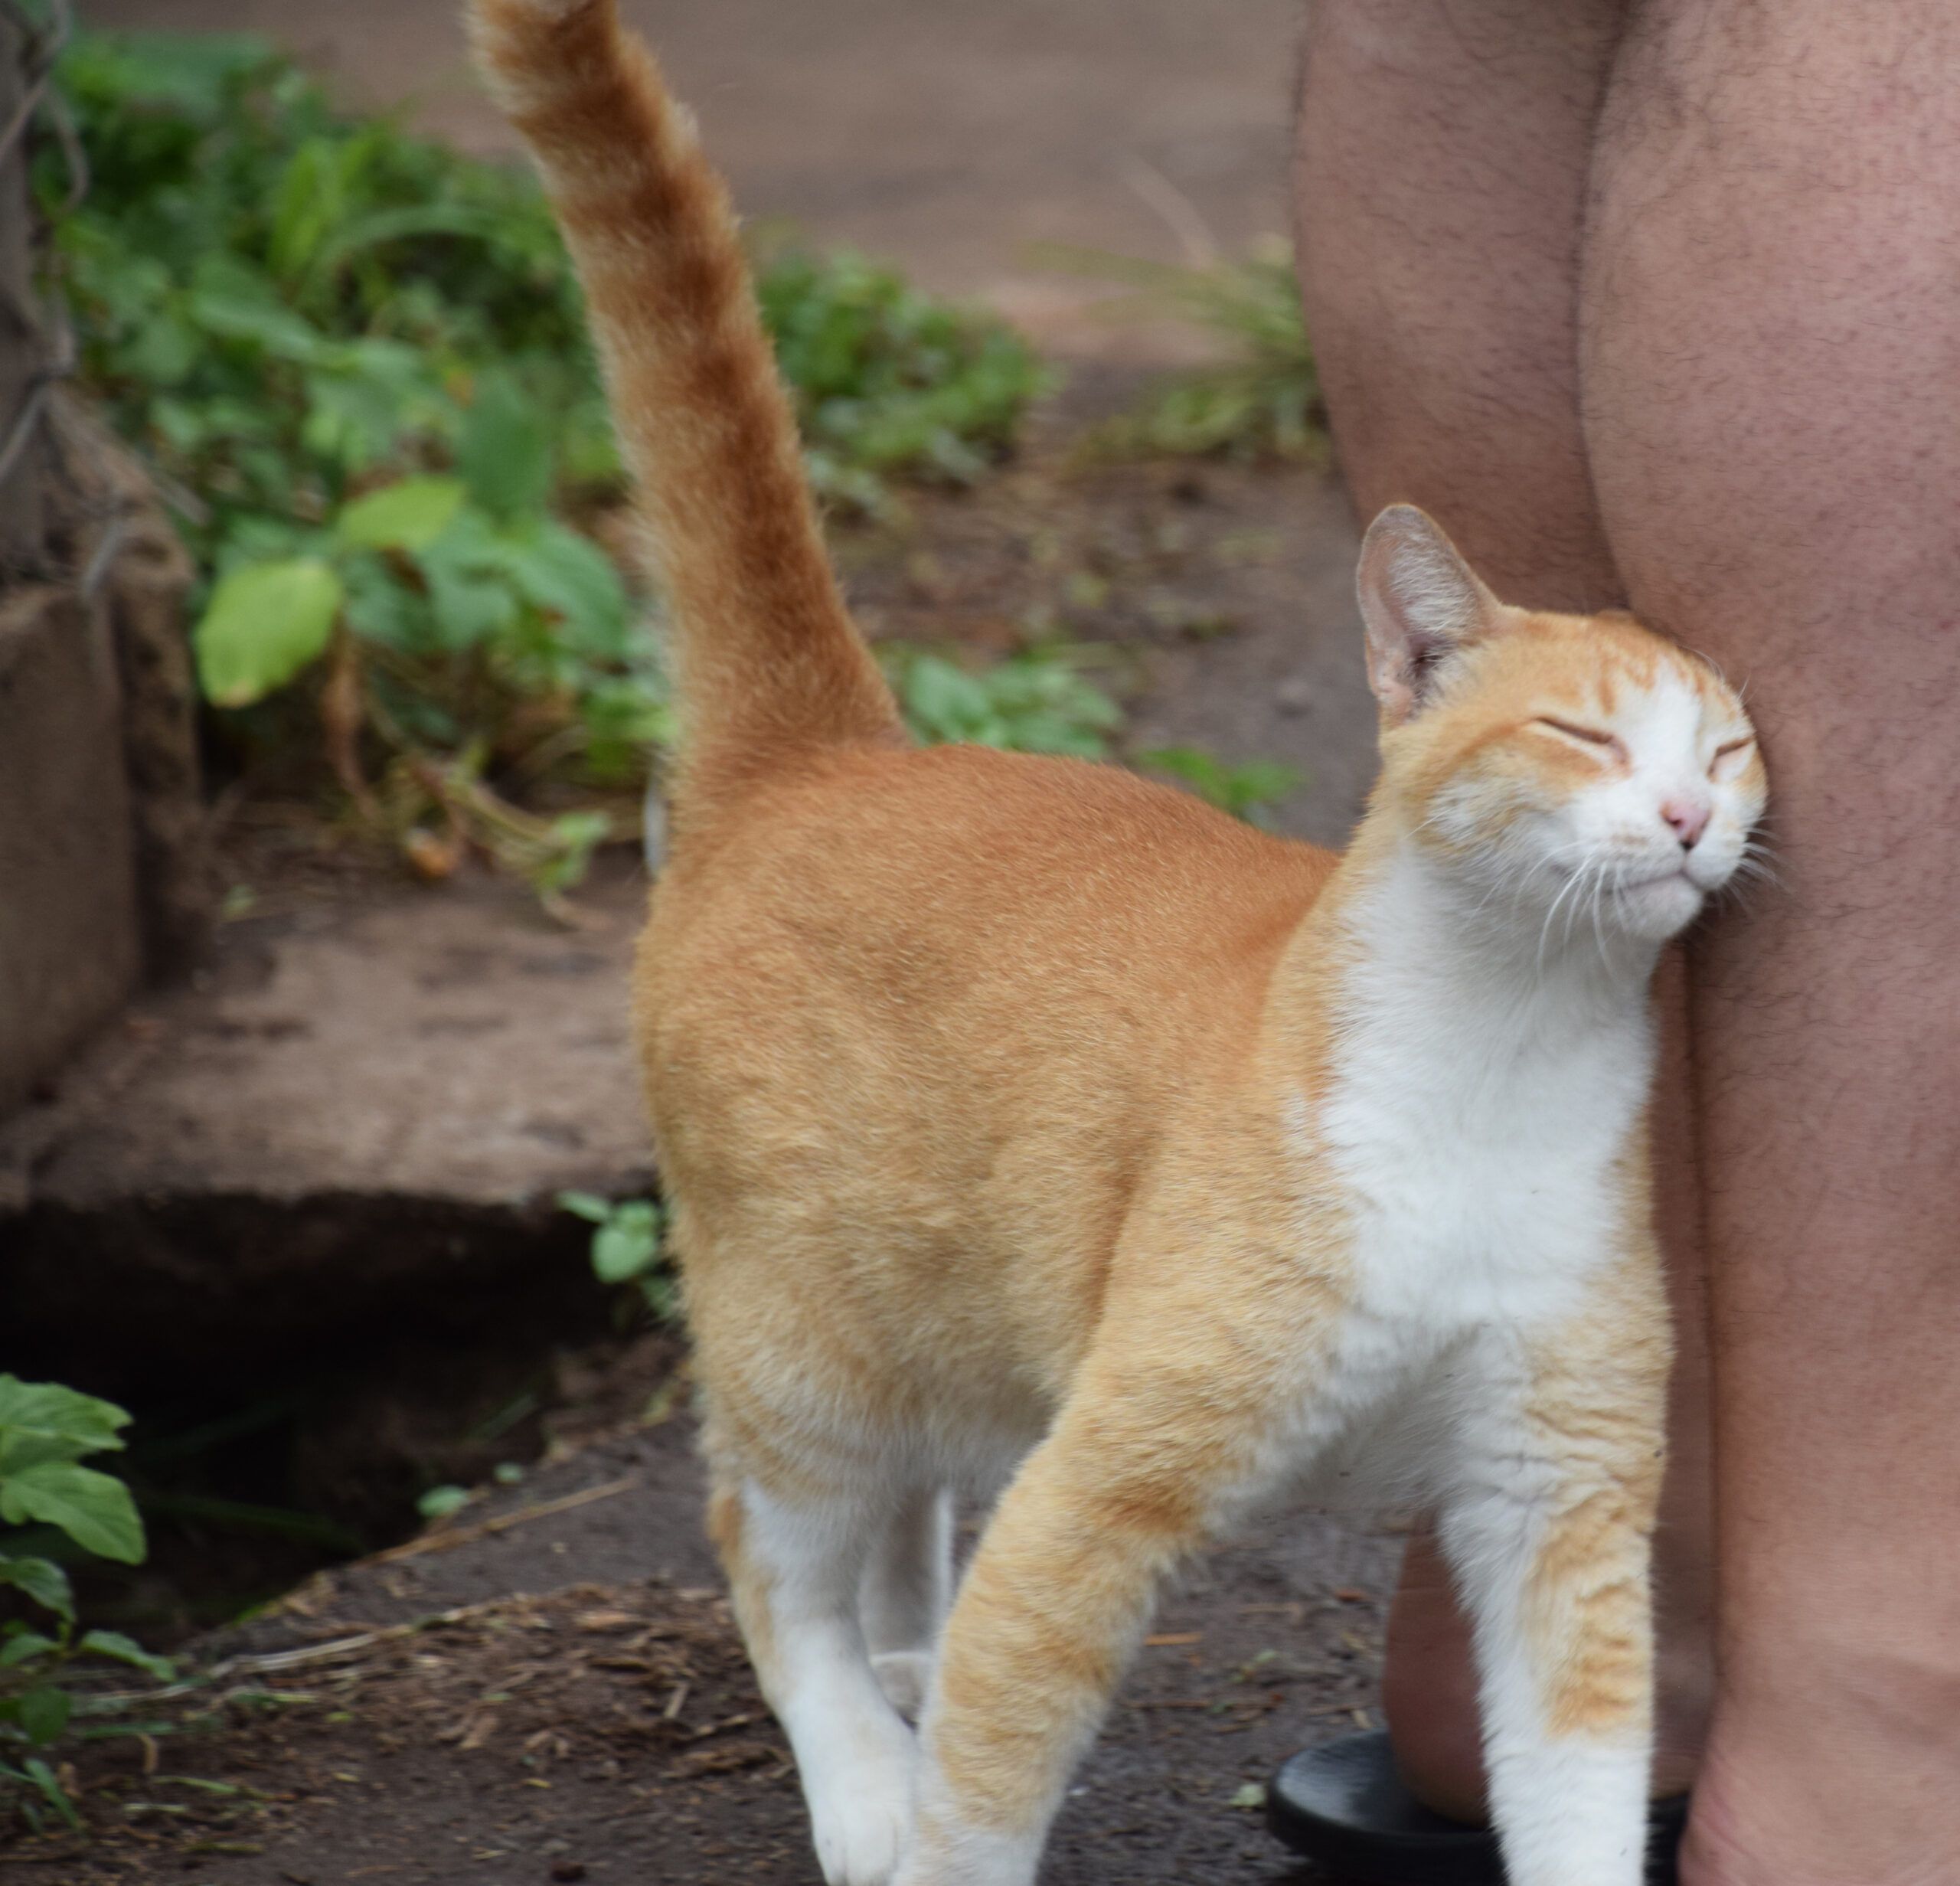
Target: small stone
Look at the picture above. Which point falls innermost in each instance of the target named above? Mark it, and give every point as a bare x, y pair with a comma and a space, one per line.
1293, 696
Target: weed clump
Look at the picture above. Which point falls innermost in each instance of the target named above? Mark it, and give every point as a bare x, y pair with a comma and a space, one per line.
357, 361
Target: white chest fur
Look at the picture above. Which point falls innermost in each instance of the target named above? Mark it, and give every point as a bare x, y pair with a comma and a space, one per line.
1481, 1105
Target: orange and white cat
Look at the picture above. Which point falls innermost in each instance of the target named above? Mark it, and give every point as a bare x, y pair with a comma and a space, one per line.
1030, 1129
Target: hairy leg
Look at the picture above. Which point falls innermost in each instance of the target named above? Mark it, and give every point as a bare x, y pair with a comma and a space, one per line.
1770, 332
1443, 155
1440, 180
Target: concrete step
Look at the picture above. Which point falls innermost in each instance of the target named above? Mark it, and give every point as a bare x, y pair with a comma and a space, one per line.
363, 1101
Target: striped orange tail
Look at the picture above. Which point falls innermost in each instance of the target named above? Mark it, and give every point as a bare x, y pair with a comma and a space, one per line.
766, 661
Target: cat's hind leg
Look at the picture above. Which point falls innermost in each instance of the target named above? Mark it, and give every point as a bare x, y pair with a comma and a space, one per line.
796, 1561
904, 1595
1548, 1529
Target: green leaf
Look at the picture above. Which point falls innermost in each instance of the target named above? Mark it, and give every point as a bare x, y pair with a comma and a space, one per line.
586, 1204
113, 1643
265, 623
628, 1243
408, 515
1241, 790
45, 1714
469, 607
48, 1408
504, 451
233, 300
569, 575
43, 1580
22, 1646
94, 1509
439, 1501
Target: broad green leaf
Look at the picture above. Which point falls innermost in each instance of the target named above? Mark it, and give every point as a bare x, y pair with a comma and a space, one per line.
504, 450
393, 225
48, 1408
948, 703
113, 1643
23, 1645
408, 515
94, 1509
45, 1714
628, 1243
569, 575
469, 606
265, 623
586, 1204
43, 1580
232, 299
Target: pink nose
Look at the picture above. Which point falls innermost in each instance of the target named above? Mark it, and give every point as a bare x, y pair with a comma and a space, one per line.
1687, 818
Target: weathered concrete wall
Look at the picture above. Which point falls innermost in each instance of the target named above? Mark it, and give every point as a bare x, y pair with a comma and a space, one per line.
70, 947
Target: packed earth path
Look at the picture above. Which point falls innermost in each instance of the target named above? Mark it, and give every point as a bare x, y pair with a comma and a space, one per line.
547, 1686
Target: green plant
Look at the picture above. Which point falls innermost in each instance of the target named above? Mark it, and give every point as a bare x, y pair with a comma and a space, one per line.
887, 379
438, 1502
358, 360
1037, 701
1246, 790
625, 1246
46, 1431
1263, 397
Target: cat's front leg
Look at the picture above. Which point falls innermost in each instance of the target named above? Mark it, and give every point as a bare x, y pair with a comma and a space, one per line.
1048, 1615
1548, 1529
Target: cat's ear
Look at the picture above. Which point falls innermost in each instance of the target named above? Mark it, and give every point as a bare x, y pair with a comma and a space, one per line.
1420, 600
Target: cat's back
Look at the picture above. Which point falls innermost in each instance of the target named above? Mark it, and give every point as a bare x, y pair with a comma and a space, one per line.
920, 886
942, 984
916, 1028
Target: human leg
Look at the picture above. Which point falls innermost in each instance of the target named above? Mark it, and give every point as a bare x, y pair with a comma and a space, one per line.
1769, 332
1444, 151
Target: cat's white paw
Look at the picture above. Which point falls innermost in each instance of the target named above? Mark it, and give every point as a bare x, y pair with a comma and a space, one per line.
906, 1677
861, 1814
951, 1855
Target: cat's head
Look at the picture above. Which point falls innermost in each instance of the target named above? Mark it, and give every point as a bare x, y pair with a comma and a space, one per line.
1554, 764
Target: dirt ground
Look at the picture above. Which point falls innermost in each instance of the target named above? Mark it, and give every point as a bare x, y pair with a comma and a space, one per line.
548, 1688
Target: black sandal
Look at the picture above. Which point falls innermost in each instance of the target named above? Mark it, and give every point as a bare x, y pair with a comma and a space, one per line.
1345, 1807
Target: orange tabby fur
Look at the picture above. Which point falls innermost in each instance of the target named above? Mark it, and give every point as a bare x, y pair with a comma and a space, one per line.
1005, 1107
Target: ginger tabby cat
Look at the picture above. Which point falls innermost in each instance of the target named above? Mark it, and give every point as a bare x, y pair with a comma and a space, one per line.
1028, 1128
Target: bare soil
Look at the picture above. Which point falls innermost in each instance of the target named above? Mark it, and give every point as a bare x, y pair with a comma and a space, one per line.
549, 1688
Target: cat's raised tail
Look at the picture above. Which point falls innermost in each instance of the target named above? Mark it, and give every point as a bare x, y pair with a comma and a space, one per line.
767, 665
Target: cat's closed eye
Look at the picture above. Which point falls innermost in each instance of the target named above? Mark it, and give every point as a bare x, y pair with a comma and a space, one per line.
1730, 758
1591, 737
